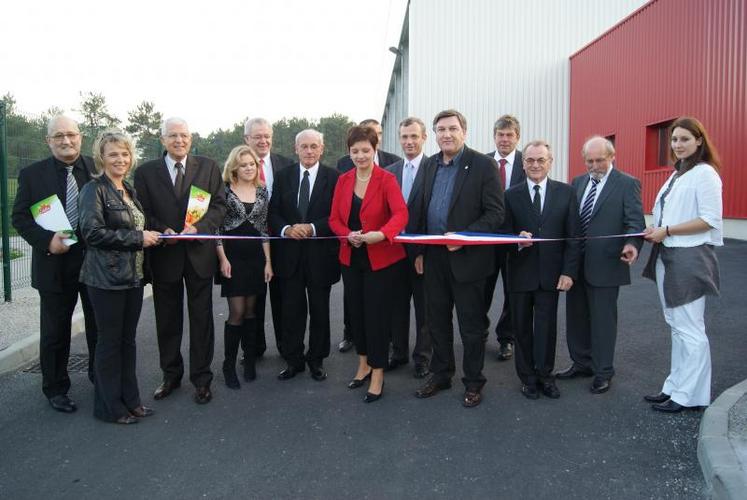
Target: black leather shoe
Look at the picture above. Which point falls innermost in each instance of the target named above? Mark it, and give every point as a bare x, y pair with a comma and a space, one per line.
142, 412
421, 370
203, 395
600, 386
166, 388
668, 406
656, 398
317, 371
431, 387
573, 371
290, 372
471, 399
62, 403
357, 382
371, 397
550, 390
394, 364
345, 345
530, 391
505, 351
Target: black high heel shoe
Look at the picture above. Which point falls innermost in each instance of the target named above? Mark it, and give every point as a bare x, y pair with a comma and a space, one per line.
357, 382
370, 397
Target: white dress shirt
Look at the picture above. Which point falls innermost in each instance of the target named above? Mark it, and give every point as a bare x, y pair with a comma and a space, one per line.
313, 171
510, 158
543, 190
171, 166
269, 176
696, 194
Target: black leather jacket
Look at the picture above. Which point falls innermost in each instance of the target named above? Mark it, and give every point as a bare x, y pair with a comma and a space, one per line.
112, 241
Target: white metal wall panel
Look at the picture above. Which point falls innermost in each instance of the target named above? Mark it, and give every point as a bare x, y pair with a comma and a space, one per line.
490, 57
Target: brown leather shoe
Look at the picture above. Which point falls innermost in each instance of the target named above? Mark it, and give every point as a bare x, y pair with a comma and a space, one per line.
431, 387
472, 398
166, 388
142, 412
203, 395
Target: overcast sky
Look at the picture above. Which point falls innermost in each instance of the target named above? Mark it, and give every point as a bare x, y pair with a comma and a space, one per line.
210, 62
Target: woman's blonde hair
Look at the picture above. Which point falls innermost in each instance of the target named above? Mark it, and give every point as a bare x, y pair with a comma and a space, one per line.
232, 164
113, 136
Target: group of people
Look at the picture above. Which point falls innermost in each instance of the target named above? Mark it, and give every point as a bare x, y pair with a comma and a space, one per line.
297, 227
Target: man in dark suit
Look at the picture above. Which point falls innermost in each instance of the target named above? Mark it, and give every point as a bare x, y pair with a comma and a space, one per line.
542, 208
610, 203
299, 210
409, 175
163, 187
258, 136
461, 192
55, 266
382, 159
506, 134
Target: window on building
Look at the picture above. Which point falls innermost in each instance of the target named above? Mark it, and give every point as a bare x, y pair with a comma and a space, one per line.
657, 145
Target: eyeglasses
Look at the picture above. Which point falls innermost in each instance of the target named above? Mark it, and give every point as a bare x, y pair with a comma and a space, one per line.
60, 137
539, 161
266, 137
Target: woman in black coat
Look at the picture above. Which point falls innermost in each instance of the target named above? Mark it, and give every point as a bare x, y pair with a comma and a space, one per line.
112, 223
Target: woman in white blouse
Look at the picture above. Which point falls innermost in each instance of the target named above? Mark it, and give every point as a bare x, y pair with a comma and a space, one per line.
687, 225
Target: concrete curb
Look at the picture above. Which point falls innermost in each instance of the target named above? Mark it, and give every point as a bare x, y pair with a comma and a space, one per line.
721, 467
24, 351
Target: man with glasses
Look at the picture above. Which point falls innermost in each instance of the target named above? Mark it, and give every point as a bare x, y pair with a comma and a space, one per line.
163, 187
55, 265
258, 136
540, 208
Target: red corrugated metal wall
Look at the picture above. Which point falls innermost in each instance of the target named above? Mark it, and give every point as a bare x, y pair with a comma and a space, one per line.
669, 58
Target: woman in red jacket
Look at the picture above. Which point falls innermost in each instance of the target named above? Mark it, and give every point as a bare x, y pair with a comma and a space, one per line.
368, 210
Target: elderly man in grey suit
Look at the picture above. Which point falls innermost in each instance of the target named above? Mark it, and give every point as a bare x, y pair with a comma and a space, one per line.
409, 176
609, 203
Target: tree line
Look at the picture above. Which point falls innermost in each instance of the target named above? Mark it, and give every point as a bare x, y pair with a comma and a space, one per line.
26, 134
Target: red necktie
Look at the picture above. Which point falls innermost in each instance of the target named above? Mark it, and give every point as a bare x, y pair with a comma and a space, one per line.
262, 170
503, 162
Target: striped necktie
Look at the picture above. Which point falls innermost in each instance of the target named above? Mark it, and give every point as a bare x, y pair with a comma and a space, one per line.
588, 206
71, 200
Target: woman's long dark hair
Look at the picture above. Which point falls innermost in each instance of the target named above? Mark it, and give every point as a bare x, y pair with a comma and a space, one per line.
706, 152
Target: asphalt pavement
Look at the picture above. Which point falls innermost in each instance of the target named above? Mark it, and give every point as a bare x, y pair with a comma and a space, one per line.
306, 439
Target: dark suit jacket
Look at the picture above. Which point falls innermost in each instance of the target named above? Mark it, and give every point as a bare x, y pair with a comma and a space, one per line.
476, 206
279, 162
617, 210
35, 183
538, 267
163, 209
413, 207
319, 257
517, 172
385, 159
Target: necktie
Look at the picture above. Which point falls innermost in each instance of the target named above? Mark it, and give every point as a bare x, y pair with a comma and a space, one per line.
502, 170
179, 181
537, 201
303, 195
588, 206
71, 205
262, 170
407, 179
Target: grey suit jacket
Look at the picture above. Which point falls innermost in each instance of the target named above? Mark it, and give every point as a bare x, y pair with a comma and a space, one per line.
617, 210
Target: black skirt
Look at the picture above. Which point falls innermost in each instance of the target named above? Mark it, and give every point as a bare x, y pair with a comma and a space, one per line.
247, 264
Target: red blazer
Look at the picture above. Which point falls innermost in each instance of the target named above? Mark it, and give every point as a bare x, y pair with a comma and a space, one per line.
383, 209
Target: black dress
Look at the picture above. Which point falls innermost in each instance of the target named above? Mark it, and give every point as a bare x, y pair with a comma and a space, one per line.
247, 261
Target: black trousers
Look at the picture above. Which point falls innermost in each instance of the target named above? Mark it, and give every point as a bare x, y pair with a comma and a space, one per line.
276, 301
116, 388
504, 330
369, 297
168, 300
442, 293
535, 317
409, 285
302, 300
591, 319
56, 314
